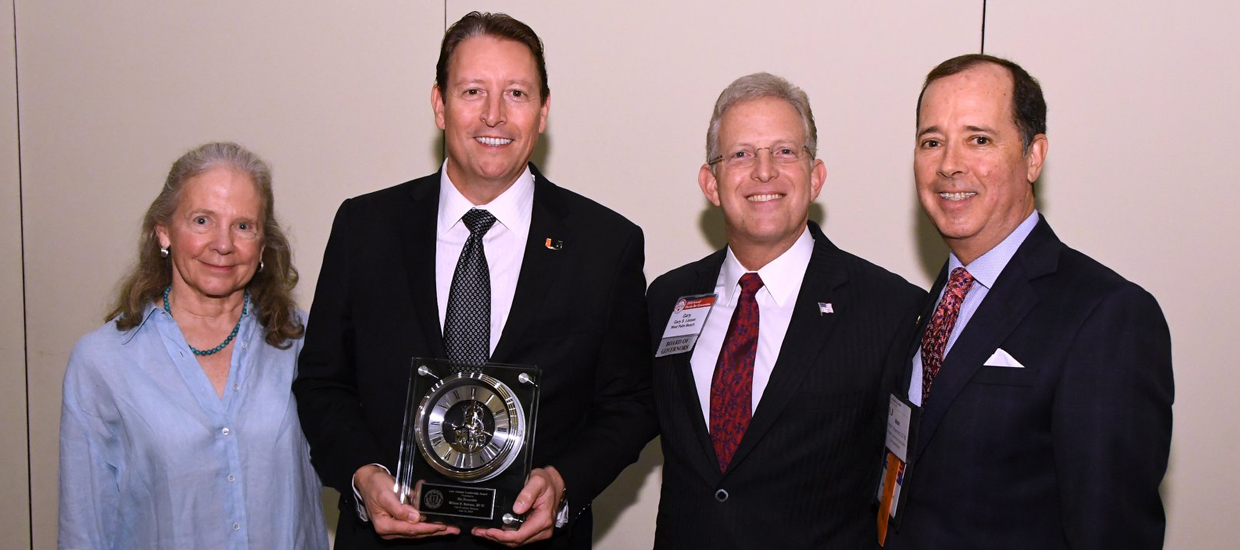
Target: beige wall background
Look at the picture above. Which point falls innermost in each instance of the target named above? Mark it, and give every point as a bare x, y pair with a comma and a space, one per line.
104, 96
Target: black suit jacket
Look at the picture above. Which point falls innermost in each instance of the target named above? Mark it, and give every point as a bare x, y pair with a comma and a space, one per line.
805, 472
1067, 452
578, 313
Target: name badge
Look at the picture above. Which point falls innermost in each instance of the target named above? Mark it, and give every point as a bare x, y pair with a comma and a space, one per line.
903, 419
899, 419
685, 324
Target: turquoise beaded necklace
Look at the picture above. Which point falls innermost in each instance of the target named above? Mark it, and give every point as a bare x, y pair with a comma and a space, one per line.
245, 304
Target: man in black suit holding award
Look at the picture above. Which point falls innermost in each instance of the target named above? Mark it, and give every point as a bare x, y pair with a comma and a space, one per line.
1042, 378
771, 407
486, 260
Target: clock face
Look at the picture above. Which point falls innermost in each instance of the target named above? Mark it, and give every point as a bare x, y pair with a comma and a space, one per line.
470, 427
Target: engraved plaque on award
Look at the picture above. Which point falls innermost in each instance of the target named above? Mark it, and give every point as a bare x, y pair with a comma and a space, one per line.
467, 441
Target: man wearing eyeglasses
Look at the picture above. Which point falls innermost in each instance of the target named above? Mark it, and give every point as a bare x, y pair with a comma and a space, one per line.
771, 406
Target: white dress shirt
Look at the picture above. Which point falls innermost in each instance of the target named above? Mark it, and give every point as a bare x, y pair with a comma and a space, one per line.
504, 243
781, 284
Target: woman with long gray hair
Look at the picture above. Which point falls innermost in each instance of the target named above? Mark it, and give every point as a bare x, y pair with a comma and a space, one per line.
178, 429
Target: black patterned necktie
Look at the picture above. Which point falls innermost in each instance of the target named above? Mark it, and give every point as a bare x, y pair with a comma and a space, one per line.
467, 324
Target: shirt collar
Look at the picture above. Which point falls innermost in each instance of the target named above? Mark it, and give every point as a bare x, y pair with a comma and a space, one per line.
150, 311
512, 208
781, 277
987, 267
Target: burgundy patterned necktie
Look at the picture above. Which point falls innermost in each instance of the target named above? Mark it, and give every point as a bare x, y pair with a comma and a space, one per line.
934, 341
731, 388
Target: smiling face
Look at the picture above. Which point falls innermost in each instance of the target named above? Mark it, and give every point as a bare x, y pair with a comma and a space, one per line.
491, 115
766, 203
215, 235
973, 177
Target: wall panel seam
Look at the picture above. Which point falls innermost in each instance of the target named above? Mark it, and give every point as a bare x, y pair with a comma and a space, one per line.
21, 228
983, 47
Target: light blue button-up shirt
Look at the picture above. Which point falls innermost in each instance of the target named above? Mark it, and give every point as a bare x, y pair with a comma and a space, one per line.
151, 457
985, 271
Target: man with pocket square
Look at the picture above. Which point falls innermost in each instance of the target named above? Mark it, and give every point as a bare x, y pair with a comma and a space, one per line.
1043, 378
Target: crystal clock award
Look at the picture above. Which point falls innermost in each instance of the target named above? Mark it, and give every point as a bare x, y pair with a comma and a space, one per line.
467, 441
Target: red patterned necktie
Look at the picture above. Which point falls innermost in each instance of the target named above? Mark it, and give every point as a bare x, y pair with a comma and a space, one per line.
731, 388
934, 341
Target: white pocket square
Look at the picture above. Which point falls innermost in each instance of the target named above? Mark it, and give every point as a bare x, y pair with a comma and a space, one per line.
1002, 358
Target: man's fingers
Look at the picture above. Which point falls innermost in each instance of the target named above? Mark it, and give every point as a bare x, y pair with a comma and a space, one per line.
538, 500
534, 529
529, 494
390, 529
390, 518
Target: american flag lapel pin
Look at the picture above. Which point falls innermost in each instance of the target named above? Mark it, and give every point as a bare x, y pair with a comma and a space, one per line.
553, 244
825, 308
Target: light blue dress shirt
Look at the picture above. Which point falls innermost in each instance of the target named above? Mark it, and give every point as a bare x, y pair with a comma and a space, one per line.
152, 458
985, 271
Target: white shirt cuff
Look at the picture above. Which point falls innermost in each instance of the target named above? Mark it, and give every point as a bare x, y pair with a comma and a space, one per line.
561, 515
361, 506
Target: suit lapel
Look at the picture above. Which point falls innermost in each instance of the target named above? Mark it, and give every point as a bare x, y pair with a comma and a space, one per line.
540, 264
682, 369
1003, 309
808, 332
419, 250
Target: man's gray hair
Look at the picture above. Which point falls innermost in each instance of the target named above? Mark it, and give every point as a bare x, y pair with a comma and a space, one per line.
758, 86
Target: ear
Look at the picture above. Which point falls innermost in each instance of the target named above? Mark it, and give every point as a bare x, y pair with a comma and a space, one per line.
437, 106
542, 114
817, 177
161, 233
710, 186
1036, 157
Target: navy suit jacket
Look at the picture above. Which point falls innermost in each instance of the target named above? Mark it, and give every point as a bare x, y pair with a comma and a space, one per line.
579, 313
1067, 452
805, 471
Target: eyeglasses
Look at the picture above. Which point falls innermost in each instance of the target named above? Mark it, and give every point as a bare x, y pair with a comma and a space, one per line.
744, 157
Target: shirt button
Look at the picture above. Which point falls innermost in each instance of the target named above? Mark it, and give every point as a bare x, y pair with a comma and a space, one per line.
721, 495
245, 345
231, 478
236, 387
225, 431
236, 527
